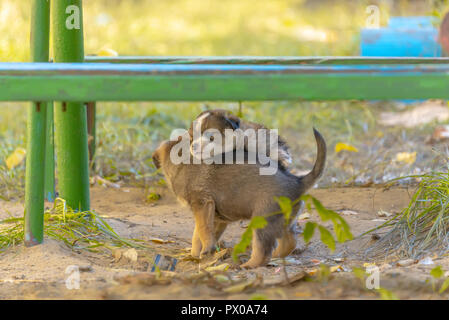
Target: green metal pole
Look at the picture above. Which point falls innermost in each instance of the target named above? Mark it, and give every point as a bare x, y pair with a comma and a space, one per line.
50, 191
36, 131
70, 118
91, 131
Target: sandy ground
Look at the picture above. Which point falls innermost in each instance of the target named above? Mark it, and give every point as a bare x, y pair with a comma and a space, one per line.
42, 272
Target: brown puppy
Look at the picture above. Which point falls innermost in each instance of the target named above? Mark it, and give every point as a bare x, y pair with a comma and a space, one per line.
223, 120
221, 193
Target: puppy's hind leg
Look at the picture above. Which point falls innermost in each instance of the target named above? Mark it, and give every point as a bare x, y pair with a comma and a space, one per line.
204, 212
220, 227
287, 243
263, 244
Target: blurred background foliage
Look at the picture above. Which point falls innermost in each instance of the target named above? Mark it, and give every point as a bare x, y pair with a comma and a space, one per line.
129, 132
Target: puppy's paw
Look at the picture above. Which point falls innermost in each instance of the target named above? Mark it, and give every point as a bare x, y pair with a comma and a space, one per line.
207, 251
251, 264
195, 252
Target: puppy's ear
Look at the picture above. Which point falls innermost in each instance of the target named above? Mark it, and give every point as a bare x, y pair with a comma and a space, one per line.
233, 121
156, 159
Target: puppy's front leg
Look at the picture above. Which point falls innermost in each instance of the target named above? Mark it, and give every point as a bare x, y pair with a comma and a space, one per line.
196, 243
204, 213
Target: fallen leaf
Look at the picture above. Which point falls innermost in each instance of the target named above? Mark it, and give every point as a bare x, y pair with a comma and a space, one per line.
296, 277
117, 253
336, 268
85, 268
107, 52
218, 256
303, 294
131, 254
281, 279
369, 265
304, 216
222, 278
103, 182
349, 213
221, 267
153, 196
382, 213
312, 272
405, 262
385, 266
339, 259
406, 157
275, 262
340, 146
426, 261
239, 287
15, 158
161, 241
142, 279
441, 133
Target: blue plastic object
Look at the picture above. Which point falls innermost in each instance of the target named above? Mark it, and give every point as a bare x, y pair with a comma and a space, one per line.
404, 37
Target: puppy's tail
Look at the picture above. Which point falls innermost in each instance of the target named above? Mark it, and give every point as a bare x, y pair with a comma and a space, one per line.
311, 178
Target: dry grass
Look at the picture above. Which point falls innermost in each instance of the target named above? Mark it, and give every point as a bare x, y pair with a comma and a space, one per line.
421, 229
78, 230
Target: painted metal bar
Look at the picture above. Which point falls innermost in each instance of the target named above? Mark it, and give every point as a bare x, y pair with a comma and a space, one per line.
36, 131
91, 130
70, 116
112, 82
49, 188
255, 60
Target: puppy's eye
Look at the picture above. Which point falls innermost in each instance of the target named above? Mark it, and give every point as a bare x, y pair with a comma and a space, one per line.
209, 136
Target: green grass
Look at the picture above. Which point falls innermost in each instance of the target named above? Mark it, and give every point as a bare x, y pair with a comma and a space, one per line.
78, 230
422, 228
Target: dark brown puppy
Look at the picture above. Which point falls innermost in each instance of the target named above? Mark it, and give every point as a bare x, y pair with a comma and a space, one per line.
222, 120
221, 193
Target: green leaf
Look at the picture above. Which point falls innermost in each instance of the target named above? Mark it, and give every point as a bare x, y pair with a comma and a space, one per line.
245, 241
286, 206
257, 223
359, 273
309, 230
324, 273
444, 286
437, 272
322, 211
342, 230
259, 296
387, 294
327, 238
436, 13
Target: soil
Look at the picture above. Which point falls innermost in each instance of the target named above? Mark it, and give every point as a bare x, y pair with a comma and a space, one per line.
42, 272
